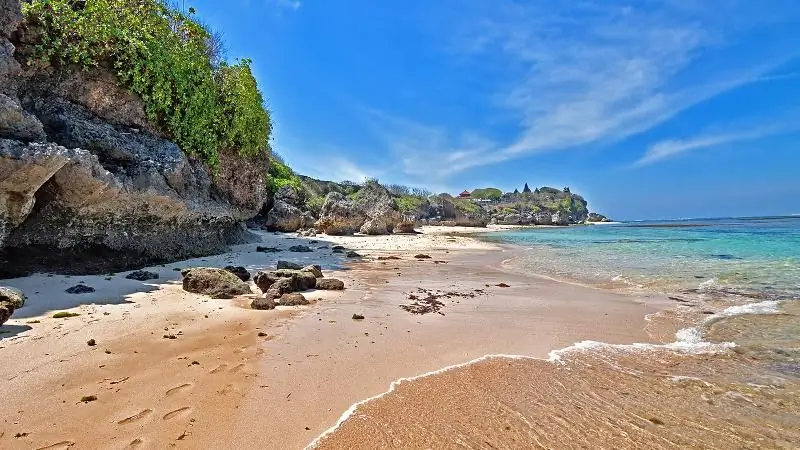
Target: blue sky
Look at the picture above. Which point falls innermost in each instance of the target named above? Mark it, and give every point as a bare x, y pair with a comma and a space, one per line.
650, 109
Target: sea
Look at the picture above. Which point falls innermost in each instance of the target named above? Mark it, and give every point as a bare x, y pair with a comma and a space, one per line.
722, 369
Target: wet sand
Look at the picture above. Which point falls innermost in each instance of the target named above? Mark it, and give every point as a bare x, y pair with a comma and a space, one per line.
221, 385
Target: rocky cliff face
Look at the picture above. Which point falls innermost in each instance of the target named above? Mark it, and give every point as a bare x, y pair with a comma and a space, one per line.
87, 184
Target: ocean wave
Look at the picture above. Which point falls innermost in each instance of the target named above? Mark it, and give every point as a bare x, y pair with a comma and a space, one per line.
688, 340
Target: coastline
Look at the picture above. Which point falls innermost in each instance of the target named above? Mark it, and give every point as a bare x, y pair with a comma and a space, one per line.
314, 363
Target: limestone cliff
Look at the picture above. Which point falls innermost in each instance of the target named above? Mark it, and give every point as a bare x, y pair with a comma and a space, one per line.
88, 184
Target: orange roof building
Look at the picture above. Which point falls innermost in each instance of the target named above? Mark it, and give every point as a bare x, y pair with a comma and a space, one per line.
465, 194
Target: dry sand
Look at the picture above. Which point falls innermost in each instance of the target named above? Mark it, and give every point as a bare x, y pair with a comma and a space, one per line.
221, 385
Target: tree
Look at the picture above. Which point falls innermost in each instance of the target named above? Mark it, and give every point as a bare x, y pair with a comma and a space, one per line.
526, 190
566, 189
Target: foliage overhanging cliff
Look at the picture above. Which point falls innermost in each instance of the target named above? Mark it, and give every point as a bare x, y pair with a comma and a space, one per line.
166, 57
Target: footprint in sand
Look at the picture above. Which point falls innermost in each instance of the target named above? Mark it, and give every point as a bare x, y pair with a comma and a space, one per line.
177, 413
58, 446
236, 368
179, 389
219, 368
136, 417
135, 444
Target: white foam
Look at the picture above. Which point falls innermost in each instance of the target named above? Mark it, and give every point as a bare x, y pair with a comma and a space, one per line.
765, 307
708, 284
352, 409
687, 340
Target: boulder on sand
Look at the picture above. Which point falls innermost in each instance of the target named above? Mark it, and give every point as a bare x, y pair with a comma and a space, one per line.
293, 299
288, 265
142, 275
278, 288
330, 284
298, 280
217, 283
314, 269
239, 271
263, 303
11, 299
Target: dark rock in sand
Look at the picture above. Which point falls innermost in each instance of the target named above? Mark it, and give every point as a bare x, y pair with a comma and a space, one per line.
421, 256
10, 299
388, 258
217, 283
288, 265
314, 269
503, 285
358, 317
239, 271
293, 299
261, 249
300, 249
338, 247
279, 287
80, 289
298, 280
263, 303
142, 275
330, 284
352, 254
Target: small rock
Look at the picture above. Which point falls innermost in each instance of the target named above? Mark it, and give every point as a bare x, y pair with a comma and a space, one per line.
239, 271
352, 254
262, 334
329, 284
288, 265
268, 249
293, 299
91, 343
338, 247
388, 258
314, 269
358, 317
11, 299
80, 289
422, 256
142, 275
503, 285
300, 249
263, 303
88, 398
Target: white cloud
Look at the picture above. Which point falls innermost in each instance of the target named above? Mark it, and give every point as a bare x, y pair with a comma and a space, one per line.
588, 72
674, 147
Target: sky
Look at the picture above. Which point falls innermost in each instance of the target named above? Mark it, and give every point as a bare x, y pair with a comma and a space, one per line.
649, 109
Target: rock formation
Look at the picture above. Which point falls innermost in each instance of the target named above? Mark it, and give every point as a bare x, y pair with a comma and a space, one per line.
89, 185
11, 299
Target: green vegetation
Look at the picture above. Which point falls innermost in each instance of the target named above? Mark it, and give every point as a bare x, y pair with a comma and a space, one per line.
408, 203
64, 315
487, 193
465, 206
167, 58
281, 175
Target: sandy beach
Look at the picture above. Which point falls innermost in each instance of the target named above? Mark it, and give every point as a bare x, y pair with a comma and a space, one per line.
235, 377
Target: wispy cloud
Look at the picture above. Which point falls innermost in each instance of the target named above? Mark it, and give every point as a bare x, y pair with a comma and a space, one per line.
585, 73
671, 148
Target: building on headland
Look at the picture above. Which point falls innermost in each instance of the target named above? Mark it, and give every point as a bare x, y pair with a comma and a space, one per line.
465, 194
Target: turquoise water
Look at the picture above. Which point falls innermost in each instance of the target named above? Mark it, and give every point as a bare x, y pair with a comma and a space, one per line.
755, 258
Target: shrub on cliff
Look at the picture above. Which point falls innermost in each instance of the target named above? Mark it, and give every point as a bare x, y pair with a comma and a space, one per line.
281, 175
168, 59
